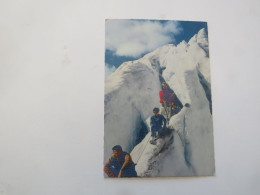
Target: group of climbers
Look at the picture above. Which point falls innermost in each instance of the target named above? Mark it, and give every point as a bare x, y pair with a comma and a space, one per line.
121, 164
168, 108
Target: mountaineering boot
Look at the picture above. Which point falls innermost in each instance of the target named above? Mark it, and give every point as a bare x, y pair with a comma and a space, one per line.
153, 141
160, 134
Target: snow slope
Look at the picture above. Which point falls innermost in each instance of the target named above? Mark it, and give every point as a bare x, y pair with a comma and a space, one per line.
129, 98
132, 92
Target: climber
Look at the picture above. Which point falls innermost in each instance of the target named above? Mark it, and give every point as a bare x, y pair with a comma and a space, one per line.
120, 164
175, 109
156, 122
166, 98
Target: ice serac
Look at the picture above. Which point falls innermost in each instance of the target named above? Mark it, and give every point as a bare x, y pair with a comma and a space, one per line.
129, 98
132, 92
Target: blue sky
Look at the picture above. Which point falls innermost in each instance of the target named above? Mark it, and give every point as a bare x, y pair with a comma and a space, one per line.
128, 40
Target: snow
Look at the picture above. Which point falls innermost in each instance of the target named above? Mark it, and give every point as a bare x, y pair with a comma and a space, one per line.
109, 70
126, 101
131, 93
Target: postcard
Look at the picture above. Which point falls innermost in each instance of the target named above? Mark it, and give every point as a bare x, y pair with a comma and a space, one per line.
158, 106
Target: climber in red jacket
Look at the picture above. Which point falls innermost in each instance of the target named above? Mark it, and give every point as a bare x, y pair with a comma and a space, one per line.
166, 98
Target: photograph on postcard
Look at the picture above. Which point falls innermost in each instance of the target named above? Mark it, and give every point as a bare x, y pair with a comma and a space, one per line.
158, 104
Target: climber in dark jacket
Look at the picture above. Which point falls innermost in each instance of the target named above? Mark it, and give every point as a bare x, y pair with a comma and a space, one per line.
120, 164
156, 122
175, 108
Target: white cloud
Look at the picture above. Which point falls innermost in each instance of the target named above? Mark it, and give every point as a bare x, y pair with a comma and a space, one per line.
109, 70
135, 37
